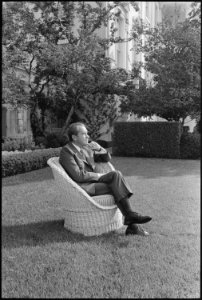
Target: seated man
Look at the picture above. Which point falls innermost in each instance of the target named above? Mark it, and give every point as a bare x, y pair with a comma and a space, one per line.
77, 158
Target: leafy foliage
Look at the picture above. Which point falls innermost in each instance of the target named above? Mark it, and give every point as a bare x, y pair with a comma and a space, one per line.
190, 145
97, 112
173, 56
63, 74
12, 144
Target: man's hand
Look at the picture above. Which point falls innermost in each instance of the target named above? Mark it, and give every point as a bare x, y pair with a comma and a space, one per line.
100, 174
96, 147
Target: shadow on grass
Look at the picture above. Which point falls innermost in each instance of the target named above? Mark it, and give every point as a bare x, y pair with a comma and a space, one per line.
42, 233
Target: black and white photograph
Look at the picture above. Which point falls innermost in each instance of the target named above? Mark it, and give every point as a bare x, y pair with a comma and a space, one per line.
101, 140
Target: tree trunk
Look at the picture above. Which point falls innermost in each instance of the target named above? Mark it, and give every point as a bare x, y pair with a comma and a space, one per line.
64, 128
183, 119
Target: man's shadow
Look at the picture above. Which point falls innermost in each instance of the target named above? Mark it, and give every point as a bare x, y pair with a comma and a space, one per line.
42, 233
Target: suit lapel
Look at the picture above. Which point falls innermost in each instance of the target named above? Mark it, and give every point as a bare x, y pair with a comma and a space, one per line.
82, 156
75, 150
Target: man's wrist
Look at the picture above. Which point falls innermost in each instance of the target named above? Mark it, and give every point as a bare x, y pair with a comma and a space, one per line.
99, 175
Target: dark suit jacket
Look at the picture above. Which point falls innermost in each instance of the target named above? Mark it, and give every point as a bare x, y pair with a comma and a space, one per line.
80, 168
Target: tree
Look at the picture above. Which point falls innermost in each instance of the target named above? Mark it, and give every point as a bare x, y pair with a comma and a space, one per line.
70, 86
13, 91
173, 56
64, 76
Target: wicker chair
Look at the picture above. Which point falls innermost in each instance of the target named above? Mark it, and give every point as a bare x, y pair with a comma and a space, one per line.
83, 213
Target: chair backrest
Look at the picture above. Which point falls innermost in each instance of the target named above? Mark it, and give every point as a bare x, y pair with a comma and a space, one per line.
75, 196
59, 170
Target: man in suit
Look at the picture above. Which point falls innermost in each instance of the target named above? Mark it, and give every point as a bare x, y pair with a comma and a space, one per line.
77, 158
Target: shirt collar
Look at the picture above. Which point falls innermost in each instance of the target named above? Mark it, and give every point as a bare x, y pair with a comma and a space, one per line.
77, 147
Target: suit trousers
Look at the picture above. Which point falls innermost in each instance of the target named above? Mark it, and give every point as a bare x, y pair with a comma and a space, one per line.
113, 183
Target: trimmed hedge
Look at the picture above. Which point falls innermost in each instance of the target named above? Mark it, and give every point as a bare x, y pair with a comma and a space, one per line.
147, 139
24, 162
190, 145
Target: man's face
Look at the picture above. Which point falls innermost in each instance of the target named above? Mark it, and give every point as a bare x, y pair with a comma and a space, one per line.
81, 139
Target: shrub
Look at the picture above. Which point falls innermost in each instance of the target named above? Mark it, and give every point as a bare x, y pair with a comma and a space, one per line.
185, 129
197, 128
62, 139
190, 146
24, 162
147, 139
55, 140
12, 144
52, 141
41, 140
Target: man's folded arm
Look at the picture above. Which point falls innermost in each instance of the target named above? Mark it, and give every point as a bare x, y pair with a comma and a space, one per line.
95, 146
71, 167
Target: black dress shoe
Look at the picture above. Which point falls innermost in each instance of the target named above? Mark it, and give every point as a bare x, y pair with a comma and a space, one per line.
134, 217
135, 229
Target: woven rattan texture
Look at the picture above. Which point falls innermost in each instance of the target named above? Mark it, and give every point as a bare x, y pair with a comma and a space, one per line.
83, 213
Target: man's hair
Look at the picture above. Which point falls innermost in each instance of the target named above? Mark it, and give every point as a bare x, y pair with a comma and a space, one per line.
74, 129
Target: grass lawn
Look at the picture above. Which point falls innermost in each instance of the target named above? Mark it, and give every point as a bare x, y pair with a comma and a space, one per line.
42, 259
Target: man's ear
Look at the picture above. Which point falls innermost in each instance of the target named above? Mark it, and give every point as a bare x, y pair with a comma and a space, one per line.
73, 137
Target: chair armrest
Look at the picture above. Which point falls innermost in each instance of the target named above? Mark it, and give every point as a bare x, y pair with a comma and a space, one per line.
71, 188
104, 167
